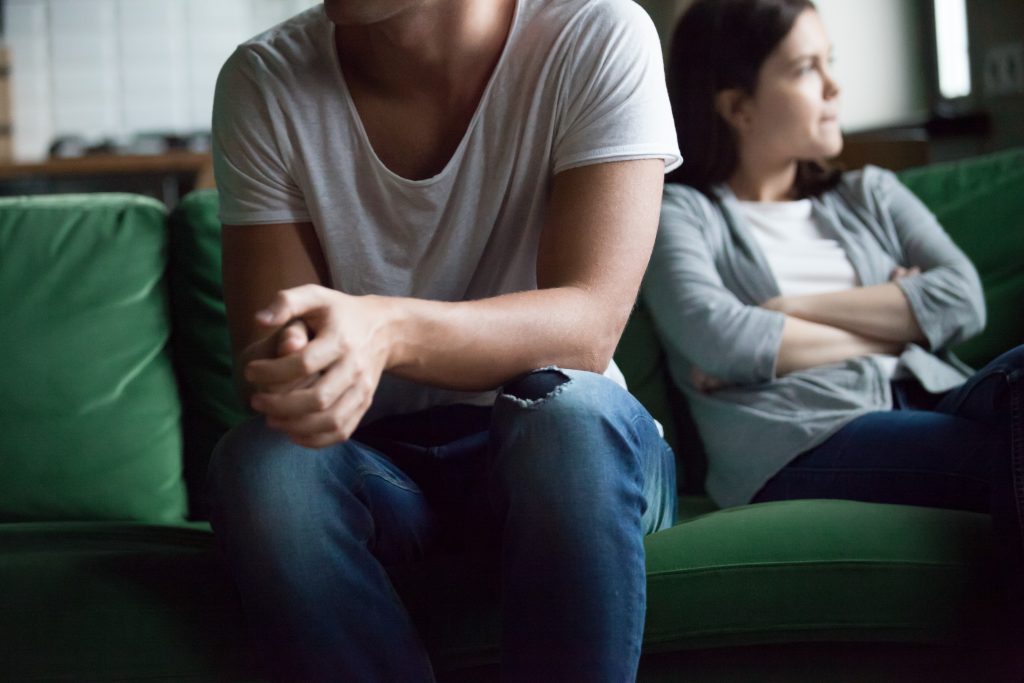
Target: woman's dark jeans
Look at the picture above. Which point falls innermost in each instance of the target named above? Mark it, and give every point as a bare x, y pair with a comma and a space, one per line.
960, 450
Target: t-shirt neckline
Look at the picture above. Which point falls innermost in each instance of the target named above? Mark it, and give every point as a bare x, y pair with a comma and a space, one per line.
792, 209
364, 138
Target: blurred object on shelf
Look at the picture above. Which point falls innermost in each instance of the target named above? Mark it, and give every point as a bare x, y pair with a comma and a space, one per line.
142, 144
166, 177
894, 149
204, 178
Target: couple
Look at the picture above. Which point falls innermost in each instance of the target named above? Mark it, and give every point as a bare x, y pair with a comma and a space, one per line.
437, 215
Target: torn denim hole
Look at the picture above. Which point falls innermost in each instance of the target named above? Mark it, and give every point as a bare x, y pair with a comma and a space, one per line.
536, 386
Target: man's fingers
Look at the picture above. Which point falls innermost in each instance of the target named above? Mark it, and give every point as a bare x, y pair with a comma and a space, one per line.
285, 387
292, 303
316, 396
330, 410
314, 357
335, 425
293, 337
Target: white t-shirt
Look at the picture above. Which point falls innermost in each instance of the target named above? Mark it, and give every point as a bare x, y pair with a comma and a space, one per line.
803, 259
578, 82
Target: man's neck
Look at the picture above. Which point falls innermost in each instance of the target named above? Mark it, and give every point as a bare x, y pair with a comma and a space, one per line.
436, 46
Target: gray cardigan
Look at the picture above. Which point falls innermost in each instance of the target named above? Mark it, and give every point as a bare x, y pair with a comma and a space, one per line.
707, 277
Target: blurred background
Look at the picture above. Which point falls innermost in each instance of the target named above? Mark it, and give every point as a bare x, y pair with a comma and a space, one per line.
116, 94
943, 77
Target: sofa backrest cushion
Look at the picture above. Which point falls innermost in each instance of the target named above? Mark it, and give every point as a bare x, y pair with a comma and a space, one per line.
641, 358
89, 411
980, 203
199, 339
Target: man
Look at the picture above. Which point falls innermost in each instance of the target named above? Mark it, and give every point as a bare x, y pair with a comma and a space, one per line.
425, 201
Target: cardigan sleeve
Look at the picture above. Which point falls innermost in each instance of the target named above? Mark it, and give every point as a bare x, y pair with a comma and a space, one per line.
698, 318
946, 297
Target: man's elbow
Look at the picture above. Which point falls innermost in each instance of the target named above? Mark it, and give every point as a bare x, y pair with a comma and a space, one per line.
595, 351
594, 362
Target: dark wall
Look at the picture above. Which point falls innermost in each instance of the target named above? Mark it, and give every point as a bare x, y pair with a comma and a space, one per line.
997, 26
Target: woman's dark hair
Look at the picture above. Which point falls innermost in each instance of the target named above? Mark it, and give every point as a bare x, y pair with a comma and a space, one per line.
719, 45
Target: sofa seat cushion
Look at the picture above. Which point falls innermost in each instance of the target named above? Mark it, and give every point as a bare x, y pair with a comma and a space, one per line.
810, 570
793, 571
89, 412
114, 601
136, 602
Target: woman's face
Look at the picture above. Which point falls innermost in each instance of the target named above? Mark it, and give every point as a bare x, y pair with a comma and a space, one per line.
794, 112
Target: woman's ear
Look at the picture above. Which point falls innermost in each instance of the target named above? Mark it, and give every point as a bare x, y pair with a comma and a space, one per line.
731, 106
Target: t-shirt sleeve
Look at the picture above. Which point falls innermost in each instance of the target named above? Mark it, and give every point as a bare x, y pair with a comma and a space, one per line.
614, 102
251, 156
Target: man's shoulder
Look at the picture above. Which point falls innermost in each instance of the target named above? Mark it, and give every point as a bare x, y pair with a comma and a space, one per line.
292, 44
591, 15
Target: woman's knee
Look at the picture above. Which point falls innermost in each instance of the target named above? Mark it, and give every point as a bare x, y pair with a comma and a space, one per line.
1010, 363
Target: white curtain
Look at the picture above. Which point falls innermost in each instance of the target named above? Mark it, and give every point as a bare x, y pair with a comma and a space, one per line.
104, 69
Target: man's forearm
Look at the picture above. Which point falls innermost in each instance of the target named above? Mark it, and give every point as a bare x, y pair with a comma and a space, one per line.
478, 345
880, 312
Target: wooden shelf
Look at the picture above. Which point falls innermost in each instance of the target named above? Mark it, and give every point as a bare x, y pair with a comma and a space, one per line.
109, 164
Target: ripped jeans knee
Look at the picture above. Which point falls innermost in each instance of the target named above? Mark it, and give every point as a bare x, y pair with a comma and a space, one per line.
536, 386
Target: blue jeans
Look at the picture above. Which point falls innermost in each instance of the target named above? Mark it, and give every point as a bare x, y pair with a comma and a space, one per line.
960, 450
558, 483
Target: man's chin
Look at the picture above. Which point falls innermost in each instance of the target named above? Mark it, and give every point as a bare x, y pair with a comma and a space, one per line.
361, 12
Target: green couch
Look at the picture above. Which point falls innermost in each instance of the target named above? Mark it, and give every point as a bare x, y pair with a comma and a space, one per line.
116, 384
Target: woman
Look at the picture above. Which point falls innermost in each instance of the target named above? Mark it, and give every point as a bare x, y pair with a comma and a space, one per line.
808, 314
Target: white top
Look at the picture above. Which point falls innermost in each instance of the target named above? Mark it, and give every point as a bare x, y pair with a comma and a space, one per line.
578, 82
803, 259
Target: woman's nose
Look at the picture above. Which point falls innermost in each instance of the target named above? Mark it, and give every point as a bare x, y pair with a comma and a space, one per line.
830, 84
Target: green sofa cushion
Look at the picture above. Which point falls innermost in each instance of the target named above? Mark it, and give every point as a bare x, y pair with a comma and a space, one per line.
89, 412
792, 571
200, 334
808, 570
72, 595
85, 601
980, 202
199, 339
640, 357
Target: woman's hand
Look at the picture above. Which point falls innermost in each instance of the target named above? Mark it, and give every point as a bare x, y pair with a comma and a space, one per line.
778, 303
705, 383
899, 272
332, 350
